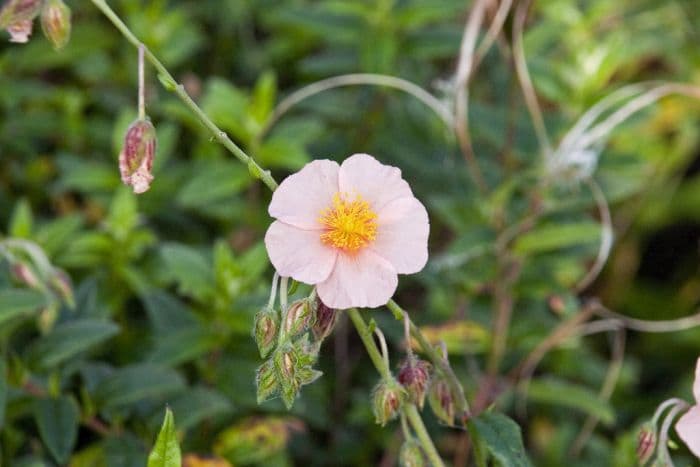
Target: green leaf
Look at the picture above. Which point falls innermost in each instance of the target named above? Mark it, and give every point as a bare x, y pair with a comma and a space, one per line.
190, 269
57, 420
21, 221
18, 302
556, 392
123, 213
263, 98
502, 438
555, 237
213, 182
166, 313
69, 339
166, 452
197, 405
135, 383
183, 345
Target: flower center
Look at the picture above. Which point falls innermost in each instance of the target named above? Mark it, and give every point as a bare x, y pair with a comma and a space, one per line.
348, 225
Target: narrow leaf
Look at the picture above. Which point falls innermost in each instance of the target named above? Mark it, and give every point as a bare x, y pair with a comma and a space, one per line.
166, 452
69, 339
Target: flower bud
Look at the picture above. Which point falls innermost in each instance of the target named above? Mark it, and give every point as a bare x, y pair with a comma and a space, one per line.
387, 397
414, 377
646, 443
266, 381
298, 317
411, 454
136, 158
441, 400
55, 21
20, 31
18, 11
324, 321
24, 274
265, 330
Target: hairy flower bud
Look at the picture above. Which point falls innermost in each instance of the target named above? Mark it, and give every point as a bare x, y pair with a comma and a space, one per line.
56, 23
15, 11
266, 381
411, 454
441, 400
265, 330
136, 158
298, 317
387, 398
324, 321
414, 377
646, 443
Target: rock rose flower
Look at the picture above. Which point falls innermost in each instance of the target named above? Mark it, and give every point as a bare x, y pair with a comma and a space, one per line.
348, 229
688, 426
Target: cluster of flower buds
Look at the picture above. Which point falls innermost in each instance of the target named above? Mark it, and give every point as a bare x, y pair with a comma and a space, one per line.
17, 17
411, 454
414, 376
387, 398
136, 157
289, 341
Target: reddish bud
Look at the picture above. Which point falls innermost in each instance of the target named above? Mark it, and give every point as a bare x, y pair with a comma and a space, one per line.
324, 321
15, 11
24, 274
414, 376
56, 23
441, 400
136, 158
298, 317
646, 443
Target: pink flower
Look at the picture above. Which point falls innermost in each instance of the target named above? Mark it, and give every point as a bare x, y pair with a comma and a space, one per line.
136, 158
688, 426
348, 229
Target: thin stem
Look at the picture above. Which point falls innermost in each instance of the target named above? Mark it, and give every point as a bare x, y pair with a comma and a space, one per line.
283, 307
422, 434
441, 364
383, 346
273, 291
664, 405
142, 85
663, 433
171, 84
367, 340
404, 427
641, 325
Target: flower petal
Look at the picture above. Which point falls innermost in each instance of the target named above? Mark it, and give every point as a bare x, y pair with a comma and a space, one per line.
377, 183
688, 428
299, 253
363, 279
301, 197
696, 383
402, 235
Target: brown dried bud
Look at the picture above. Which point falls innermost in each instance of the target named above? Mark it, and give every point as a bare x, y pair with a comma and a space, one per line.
298, 317
387, 398
324, 321
646, 443
136, 158
414, 375
441, 400
56, 23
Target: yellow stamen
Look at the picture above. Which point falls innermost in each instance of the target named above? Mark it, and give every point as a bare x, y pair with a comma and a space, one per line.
348, 225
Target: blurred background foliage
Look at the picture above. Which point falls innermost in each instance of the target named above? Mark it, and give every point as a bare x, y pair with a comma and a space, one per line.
167, 284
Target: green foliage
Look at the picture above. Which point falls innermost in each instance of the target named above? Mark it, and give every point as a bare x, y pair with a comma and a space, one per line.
166, 452
167, 284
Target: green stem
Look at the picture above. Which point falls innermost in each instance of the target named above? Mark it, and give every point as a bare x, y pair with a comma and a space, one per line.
171, 84
367, 339
419, 428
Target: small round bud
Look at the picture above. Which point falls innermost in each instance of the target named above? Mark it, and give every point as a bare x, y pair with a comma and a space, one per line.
387, 398
324, 321
298, 317
646, 443
265, 330
411, 454
441, 400
136, 158
414, 377
56, 23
